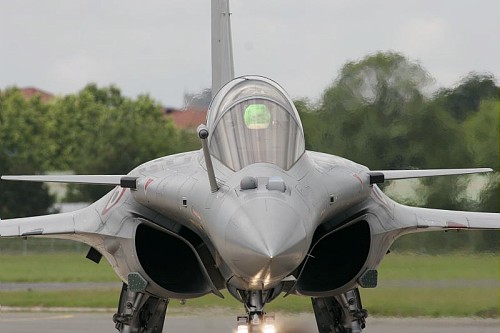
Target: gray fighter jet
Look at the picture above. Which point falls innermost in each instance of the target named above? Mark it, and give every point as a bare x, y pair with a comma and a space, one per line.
252, 212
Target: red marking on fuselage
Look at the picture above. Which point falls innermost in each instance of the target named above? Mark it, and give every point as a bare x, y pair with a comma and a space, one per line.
358, 178
380, 198
455, 225
377, 195
148, 183
113, 200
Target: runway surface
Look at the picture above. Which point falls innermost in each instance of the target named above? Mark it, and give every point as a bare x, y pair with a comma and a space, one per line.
205, 323
455, 283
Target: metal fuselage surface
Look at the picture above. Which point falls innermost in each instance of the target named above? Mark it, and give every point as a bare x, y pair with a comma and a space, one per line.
257, 237
256, 231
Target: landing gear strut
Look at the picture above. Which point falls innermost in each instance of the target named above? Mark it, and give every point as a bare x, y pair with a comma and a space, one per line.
139, 312
340, 314
256, 319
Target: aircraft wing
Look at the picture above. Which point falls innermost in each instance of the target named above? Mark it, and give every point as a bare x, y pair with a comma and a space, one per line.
86, 220
437, 219
379, 176
38, 225
55, 224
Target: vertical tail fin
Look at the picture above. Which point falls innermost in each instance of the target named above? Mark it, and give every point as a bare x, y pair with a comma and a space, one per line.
222, 46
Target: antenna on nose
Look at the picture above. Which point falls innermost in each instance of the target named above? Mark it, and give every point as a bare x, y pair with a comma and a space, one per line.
203, 134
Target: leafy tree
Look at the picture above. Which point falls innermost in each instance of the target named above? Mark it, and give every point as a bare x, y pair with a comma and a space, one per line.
387, 81
99, 131
482, 134
22, 152
375, 113
465, 99
310, 122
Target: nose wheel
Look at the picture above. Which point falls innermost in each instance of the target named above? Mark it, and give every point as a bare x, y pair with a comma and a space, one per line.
256, 323
256, 320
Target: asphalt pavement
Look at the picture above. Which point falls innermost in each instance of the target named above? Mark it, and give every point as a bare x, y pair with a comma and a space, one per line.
14, 322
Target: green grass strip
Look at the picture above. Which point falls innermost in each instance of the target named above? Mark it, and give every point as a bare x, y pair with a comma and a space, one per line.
397, 266
67, 298
385, 301
431, 302
60, 267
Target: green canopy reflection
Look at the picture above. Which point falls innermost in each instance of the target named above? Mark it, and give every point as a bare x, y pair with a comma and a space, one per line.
257, 116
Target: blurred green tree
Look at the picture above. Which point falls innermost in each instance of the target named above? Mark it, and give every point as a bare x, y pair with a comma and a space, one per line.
99, 131
465, 99
376, 114
22, 151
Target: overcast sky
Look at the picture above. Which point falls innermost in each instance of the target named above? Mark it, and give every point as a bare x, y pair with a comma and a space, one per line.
162, 47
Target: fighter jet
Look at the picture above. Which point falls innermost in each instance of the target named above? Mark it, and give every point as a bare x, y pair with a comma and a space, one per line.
252, 212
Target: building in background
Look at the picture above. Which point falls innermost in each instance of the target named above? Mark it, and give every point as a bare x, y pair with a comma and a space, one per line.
30, 92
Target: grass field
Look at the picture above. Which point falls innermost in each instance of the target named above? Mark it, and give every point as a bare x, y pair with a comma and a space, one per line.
60, 267
418, 300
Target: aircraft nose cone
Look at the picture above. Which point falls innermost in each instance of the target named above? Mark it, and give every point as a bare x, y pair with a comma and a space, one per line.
265, 241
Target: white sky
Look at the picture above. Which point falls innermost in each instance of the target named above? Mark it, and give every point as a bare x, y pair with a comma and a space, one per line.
162, 47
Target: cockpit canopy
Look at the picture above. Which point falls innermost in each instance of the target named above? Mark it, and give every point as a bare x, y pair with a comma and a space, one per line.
252, 120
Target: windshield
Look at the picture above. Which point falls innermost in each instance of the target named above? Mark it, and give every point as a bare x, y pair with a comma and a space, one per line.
251, 120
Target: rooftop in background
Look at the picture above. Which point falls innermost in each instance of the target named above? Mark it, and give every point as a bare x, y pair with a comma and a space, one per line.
30, 92
188, 118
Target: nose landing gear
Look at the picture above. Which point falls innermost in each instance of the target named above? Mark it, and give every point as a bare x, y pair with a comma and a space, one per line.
256, 320
256, 323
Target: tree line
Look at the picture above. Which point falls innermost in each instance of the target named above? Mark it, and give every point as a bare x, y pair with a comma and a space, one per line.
96, 131
379, 111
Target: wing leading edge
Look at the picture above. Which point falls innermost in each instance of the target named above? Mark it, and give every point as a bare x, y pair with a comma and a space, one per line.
426, 219
115, 180
379, 176
38, 225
